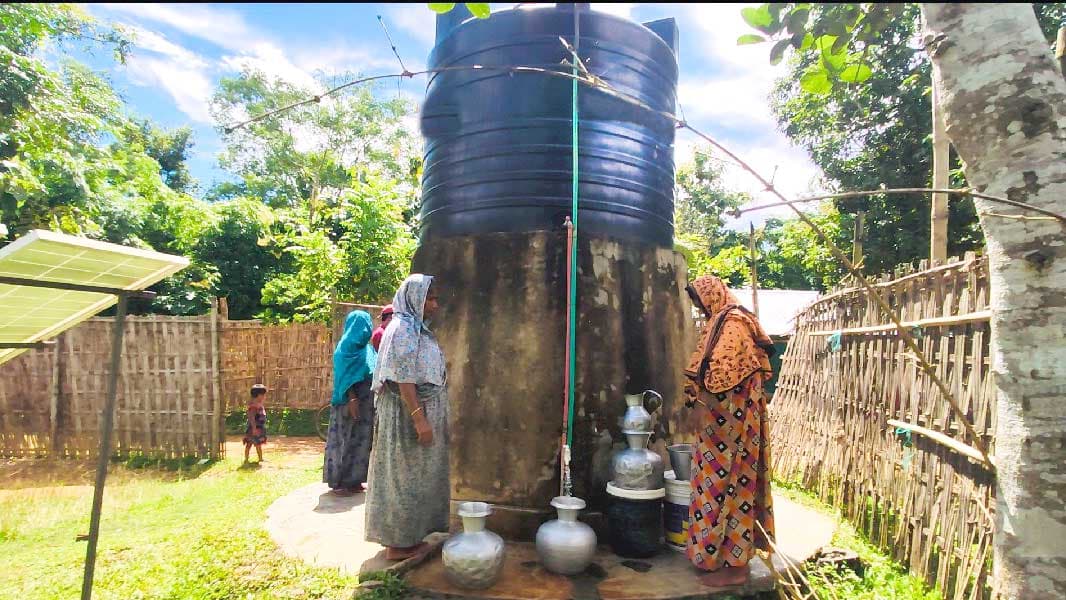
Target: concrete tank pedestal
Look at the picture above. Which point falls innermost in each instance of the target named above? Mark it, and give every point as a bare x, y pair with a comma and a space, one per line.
503, 330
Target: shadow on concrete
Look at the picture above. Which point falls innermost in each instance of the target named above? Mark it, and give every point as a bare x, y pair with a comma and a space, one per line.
330, 503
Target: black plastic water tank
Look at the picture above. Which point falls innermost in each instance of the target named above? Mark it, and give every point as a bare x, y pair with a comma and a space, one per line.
498, 144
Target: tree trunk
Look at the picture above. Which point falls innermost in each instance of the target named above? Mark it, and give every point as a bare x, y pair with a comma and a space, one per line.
1004, 104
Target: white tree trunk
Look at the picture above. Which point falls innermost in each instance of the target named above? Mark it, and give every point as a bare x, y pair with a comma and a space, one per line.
1004, 102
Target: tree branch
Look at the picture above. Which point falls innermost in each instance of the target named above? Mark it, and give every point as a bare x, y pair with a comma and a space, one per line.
960, 191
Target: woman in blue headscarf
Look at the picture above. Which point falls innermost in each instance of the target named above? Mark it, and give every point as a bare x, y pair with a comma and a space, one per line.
351, 419
410, 495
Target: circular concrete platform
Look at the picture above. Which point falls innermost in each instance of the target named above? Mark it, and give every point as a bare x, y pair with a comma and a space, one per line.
801, 533
327, 530
323, 529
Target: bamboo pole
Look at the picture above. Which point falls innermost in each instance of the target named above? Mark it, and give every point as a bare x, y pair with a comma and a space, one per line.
1060, 50
938, 235
942, 439
754, 271
218, 415
857, 237
54, 398
975, 317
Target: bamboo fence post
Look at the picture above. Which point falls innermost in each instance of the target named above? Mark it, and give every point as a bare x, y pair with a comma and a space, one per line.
218, 431
754, 271
938, 238
55, 393
1060, 50
858, 236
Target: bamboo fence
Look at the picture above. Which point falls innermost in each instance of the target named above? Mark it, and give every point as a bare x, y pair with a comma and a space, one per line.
180, 377
294, 361
860, 425
168, 401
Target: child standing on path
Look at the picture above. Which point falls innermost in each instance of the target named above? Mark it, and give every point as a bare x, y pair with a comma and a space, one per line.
255, 434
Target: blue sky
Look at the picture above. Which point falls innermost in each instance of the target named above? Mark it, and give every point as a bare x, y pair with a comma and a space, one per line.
181, 51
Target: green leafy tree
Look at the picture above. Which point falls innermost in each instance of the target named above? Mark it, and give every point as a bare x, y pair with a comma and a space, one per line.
872, 130
1002, 97
169, 148
54, 170
302, 158
176, 224
865, 121
701, 200
341, 176
873, 134
480, 10
362, 251
237, 244
792, 257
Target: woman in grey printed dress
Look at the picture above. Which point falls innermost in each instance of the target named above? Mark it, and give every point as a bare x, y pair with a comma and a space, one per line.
410, 494
351, 418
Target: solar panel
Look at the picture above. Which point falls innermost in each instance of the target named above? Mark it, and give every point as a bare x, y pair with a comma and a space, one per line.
34, 314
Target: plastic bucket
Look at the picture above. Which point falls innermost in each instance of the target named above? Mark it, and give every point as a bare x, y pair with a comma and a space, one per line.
635, 521
675, 513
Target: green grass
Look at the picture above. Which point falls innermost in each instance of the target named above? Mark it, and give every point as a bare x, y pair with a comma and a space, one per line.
883, 579
296, 422
192, 529
195, 533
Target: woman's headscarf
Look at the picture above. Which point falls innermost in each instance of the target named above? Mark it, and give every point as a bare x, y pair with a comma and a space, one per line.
408, 352
353, 359
733, 345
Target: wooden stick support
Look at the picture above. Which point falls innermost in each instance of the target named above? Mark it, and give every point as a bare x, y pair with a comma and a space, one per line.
1060, 50
938, 238
754, 272
977, 317
943, 440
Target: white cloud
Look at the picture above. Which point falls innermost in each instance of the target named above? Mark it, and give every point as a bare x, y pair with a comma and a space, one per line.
340, 58
738, 100
414, 18
221, 27
732, 105
146, 39
188, 86
157, 62
272, 61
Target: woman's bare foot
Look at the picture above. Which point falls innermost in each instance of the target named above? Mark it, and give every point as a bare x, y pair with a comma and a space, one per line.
343, 492
726, 576
403, 553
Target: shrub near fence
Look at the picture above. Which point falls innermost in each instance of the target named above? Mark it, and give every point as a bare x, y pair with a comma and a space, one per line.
928, 505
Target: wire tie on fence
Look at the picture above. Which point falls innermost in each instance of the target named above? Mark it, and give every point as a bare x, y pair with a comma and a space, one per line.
835, 341
904, 434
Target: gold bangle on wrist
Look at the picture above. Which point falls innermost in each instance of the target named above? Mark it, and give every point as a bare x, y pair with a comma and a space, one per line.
415, 411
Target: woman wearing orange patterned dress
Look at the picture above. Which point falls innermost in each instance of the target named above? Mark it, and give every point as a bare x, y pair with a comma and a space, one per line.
731, 512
